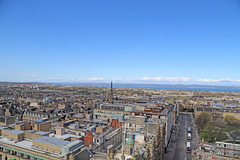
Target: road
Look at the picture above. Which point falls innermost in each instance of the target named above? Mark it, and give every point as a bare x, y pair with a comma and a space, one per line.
179, 140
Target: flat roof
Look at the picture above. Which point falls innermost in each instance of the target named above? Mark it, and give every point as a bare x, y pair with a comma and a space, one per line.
41, 133
31, 131
21, 122
26, 144
64, 136
52, 141
16, 132
72, 143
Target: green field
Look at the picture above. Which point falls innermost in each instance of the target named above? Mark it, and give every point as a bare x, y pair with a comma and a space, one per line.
94, 91
227, 128
211, 138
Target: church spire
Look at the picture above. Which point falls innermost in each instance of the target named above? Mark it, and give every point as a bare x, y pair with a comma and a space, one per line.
111, 94
111, 86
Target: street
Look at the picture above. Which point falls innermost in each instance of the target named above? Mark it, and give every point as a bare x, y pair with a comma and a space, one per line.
178, 142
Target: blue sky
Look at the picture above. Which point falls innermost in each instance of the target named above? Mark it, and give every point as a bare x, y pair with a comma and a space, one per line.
186, 42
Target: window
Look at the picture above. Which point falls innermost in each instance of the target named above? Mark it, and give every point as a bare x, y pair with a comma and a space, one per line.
225, 145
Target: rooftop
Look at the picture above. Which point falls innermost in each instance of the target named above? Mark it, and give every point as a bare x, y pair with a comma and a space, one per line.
16, 132
41, 133
52, 141
64, 136
84, 154
26, 144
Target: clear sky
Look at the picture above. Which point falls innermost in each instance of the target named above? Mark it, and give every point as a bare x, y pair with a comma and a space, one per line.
158, 41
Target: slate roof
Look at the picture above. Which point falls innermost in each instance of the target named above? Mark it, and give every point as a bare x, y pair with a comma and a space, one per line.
85, 154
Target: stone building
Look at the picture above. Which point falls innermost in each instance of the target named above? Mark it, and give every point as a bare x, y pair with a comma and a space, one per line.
217, 112
6, 120
18, 145
36, 115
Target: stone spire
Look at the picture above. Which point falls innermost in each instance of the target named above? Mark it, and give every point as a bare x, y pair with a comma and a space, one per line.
111, 94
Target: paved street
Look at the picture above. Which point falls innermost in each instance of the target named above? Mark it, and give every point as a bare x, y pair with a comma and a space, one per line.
178, 141
181, 143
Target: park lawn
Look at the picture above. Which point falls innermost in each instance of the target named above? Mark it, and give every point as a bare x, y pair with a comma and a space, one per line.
94, 91
218, 137
222, 137
227, 128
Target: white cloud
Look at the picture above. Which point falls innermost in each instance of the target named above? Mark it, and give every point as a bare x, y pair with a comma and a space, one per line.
215, 80
186, 80
96, 79
36, 75
168, 79
157, 80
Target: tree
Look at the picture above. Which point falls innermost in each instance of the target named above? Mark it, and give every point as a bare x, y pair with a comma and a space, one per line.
210, 132
220, 135
219, 123
203, 119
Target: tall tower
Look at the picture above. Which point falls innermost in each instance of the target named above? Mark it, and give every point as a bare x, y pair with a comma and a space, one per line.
111, 94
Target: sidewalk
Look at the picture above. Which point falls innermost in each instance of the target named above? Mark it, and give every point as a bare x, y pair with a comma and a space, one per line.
198, 137
172, 144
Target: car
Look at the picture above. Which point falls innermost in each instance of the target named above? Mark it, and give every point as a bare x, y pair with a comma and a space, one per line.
188, 150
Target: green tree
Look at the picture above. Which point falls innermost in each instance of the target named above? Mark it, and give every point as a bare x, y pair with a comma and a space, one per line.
203, 119
210, 130
220, 135
219, 123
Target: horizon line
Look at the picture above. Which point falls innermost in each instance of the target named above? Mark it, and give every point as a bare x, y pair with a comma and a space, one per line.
126, 83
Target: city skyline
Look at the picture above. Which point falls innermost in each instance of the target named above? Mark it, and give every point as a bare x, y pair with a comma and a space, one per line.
142, 81
187, 42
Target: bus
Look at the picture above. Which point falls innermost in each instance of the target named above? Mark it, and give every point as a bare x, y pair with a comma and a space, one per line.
188, 150
189, 136
189, 129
